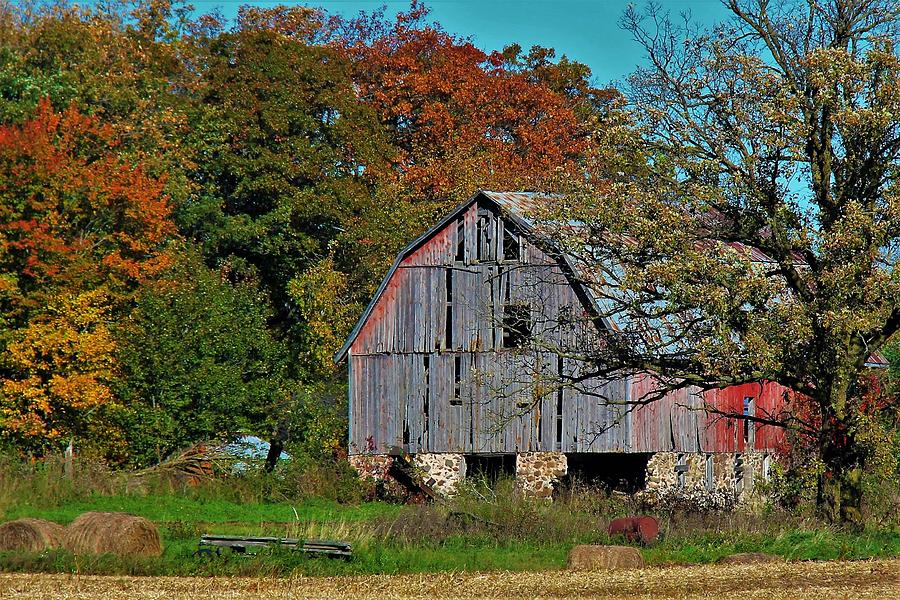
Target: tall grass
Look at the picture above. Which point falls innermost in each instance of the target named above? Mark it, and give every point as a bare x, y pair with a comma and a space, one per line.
487, 526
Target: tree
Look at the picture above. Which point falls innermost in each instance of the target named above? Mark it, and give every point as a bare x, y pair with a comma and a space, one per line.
752, 213
196, 362
285, 156
60, 369
463, 119
80, 229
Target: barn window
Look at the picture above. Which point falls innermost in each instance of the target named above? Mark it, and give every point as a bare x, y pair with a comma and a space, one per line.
710, 472
485, 249
516, 324
749, 426
681, 469
512, 247
448, 321
457, 381
460, 240
767, 467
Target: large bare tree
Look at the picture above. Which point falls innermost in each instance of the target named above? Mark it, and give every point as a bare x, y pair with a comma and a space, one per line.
741, 220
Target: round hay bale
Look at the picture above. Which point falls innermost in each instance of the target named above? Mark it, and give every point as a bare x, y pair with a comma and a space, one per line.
30, 535
595, 558
748, 558
115, 533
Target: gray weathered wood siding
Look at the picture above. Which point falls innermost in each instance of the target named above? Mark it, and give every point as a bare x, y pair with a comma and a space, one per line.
407, 363
427, 384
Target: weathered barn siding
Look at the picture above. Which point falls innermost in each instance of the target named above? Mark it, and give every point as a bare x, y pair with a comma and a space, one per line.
427, 384
728, 434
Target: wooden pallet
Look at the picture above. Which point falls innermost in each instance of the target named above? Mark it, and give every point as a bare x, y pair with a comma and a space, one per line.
213, 544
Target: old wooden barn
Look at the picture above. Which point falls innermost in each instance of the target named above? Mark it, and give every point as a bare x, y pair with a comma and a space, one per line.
439, 368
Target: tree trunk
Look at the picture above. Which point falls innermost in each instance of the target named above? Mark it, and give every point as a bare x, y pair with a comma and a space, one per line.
839, 491
276, 446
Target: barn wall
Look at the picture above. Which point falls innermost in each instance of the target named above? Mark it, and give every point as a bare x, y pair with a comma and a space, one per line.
431, 385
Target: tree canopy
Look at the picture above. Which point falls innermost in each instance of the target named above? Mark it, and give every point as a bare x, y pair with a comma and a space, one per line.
745, 203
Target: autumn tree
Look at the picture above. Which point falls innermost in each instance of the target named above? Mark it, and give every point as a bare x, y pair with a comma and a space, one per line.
80, 229
745, 208
462, 118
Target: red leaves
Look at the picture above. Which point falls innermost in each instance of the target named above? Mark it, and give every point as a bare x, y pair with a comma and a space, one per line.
72, 205
462, 119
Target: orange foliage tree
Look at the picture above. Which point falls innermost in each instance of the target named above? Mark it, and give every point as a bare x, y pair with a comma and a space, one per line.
464, 119
80, 228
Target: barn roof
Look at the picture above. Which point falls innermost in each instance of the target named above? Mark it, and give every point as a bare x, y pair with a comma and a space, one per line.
518, 206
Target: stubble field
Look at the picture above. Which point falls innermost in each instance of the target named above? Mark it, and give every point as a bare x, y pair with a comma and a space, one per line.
875, 579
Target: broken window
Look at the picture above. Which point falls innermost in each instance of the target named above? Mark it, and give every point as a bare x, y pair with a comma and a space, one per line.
457, 381
516, 324
512, 247
448, 321
749, 426
485, 243
710, 472
681, 469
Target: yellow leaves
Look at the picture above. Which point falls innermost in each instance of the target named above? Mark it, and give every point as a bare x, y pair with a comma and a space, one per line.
61, 366
321, 295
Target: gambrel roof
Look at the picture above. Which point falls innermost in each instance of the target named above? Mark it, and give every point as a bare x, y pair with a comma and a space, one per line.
518, 207
515, 206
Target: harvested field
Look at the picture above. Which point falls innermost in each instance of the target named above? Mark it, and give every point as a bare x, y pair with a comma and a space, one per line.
771, 581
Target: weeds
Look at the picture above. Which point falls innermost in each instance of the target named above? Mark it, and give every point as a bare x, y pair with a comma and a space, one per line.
487, 526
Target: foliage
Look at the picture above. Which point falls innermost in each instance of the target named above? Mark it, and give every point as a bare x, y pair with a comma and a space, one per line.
80, 229
751, 187
286, 156
463, 119
63, 363
321, 295
197, 362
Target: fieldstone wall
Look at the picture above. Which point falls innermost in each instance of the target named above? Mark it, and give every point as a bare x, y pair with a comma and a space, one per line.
538, 472
441, 472
371, 466
726, 490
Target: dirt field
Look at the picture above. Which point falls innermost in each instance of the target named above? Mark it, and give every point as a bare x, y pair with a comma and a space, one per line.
863, 579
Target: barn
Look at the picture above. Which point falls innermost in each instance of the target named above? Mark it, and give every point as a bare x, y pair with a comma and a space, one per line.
453, 365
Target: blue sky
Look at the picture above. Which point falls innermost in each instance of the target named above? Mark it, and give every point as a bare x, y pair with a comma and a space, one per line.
585, 30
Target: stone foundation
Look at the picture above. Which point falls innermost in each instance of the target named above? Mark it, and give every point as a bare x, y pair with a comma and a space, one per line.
538, 472
371, 466
441, 472
672, 482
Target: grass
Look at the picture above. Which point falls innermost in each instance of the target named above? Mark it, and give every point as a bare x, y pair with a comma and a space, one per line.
486, 528
174, 507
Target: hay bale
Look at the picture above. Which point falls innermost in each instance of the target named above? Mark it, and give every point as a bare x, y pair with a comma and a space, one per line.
30, 535
595, 558
748, 558
115, 533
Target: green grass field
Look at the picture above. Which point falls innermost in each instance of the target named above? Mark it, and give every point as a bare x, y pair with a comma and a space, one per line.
463, 535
